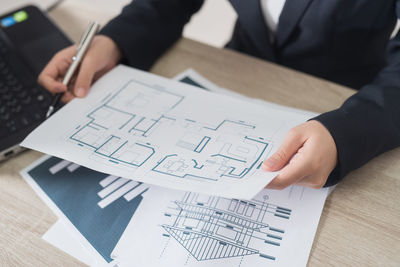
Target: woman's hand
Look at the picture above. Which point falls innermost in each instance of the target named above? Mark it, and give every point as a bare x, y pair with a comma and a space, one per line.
306, 157
102, 55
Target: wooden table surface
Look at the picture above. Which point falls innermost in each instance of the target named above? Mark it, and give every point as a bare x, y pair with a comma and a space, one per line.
360, 223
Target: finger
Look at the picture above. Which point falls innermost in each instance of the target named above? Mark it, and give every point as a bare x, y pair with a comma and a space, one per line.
291, 173
84, 78
71, 84
305, 181
52, 85
99, 74
292, 142
67, 96
51, 75
315, 181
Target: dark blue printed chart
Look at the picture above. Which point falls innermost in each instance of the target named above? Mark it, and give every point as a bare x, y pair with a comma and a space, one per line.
100, 206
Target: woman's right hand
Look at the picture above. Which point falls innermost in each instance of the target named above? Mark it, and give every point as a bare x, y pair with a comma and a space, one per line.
102, 55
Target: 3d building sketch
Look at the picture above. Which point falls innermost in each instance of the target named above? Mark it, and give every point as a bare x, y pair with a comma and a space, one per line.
214, 228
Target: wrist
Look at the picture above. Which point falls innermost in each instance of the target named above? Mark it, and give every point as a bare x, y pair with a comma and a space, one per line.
113, 49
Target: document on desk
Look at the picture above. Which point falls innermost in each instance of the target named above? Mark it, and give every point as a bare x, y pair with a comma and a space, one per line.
61, 184
122, 222
192, 77
76, 195
175, 228
143, 127
61, 236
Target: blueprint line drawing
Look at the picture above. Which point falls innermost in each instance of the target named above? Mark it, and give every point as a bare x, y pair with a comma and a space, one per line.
275, 228
153, 130
210, 227
122, 131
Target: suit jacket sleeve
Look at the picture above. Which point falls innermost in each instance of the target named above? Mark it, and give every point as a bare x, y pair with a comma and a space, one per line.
368, 123
147, 28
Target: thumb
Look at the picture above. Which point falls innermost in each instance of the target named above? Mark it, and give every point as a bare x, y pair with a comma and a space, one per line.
290, 145
84, 78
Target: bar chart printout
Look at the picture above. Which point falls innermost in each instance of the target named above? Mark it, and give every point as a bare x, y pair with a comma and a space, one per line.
106, 202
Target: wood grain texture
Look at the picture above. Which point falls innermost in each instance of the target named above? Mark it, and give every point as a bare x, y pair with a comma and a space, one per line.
24, 218
360, 221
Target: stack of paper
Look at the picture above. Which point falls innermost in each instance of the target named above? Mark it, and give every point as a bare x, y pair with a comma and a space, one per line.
109, 220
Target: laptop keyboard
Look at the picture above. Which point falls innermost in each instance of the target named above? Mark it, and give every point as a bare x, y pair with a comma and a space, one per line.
21, 106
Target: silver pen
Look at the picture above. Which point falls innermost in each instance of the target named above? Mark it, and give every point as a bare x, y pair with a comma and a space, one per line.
83, 46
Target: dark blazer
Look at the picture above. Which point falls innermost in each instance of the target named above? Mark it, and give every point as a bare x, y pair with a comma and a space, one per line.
345, 41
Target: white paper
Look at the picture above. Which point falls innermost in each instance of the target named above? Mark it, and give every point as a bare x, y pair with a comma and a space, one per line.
67, 238
194, 76
175, 228
147, 128
60, 236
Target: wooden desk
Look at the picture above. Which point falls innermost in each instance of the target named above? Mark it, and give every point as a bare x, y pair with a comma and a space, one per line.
360, 224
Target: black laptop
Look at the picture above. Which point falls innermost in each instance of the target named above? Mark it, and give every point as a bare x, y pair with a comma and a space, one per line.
28, 40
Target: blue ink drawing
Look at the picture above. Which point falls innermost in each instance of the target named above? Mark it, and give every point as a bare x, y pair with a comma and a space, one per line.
210, 227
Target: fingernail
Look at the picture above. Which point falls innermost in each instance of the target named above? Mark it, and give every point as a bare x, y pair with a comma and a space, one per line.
269, 164
80, 92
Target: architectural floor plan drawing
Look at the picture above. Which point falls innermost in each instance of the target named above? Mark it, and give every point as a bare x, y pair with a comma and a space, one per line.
121, 131
185, 229
146, 128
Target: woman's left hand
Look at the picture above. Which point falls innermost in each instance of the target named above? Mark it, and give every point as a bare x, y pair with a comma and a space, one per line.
306, 157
